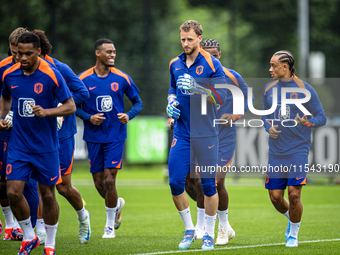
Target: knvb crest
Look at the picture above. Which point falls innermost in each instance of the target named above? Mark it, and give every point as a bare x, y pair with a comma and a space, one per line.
114, 86
38, 88
199, 70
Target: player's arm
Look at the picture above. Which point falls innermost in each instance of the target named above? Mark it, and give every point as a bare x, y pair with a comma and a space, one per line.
74, 83
95, 119
314, 106
271, 129
5, 106
137, 107
171, 109
68, 107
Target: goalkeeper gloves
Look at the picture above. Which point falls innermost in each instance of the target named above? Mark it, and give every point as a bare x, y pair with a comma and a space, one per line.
171, 109
9, 118
187, 82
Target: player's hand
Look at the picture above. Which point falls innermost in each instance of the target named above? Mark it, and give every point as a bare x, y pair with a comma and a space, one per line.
123, 117
228, 117
273, 132
187, 82
172, 111
38, 110
9, 118
97, 119
172, 124
300, 121
3, 125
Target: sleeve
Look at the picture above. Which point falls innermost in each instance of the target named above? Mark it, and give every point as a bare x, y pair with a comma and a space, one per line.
314, 106
220, 95
5, 91
81, 113
267, 125
172, 88
76, 86
136, 108
131, 89
61, 91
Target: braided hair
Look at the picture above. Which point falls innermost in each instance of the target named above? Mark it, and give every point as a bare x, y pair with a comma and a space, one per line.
210, 43
286, 57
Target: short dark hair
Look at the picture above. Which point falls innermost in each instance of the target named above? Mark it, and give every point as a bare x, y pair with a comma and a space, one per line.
286, 56
210, 43
46, 47
192, 24
29, 37
100, 42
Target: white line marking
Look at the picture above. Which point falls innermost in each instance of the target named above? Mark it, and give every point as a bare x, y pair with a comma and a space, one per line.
237, 247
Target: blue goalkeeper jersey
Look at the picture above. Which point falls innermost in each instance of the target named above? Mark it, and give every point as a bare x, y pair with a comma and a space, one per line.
31, 133
292, 140
228, 133
79, 93
207, 71
107, 97
4, 64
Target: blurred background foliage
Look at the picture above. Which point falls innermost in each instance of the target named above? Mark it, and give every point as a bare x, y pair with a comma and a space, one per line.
146, 35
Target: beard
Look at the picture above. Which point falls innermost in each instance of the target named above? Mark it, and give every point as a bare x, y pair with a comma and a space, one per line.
189, 51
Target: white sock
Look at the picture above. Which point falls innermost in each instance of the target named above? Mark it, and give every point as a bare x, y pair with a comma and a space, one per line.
294, 229
40, 226
81, 213
51, 232
223, 217
186, 218
210, 225
287, 214
200, 218
26, 227
110, 216
8, 215
16, 224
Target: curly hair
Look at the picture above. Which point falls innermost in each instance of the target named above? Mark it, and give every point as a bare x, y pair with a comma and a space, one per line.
46, 47
192, 24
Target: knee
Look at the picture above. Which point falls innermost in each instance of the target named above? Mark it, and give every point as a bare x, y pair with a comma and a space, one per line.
109, 183
48, 199
13, 195
294, 198
63, 190
176, 186
220, 184
275, 198
209, 187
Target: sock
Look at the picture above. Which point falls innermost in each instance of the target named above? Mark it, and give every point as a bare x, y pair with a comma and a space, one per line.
210, 225
8, 215
186, 218
82, 213
222, 218
294, 229
51, 232
287, 214
111, 216
40, 226
200, 218
16, 224
27, 228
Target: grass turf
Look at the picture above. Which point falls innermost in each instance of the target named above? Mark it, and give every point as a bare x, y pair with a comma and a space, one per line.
151, 223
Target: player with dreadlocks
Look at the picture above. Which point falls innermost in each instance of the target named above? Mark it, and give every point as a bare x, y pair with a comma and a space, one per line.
289, 145
227, 142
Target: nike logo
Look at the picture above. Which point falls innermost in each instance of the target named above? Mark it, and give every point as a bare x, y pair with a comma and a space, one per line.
13, 87
91, 88
299, 178
114, 162
224, 159
52, 179
177, 68
211, 146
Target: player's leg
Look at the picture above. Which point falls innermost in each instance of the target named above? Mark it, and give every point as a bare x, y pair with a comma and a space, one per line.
225, 156
113, 157
206, 151
179, 167
190, 187
295, 182
96, 160
200, 224
40, 226
6, 209
65, 188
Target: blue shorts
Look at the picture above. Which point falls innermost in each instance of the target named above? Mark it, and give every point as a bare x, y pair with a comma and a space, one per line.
225, 153
286, 171
182, 155
66, 151
43, 167
105, 155
3, 153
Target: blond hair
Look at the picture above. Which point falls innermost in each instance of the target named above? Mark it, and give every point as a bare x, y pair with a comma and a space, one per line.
192, 24
13, 38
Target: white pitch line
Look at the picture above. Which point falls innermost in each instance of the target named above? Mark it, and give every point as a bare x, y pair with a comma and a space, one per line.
236, 247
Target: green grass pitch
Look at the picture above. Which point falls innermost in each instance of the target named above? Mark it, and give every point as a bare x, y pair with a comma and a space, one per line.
152, 225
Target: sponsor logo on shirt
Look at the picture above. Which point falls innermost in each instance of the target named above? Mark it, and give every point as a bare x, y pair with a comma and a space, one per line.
104, 103
24, 107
